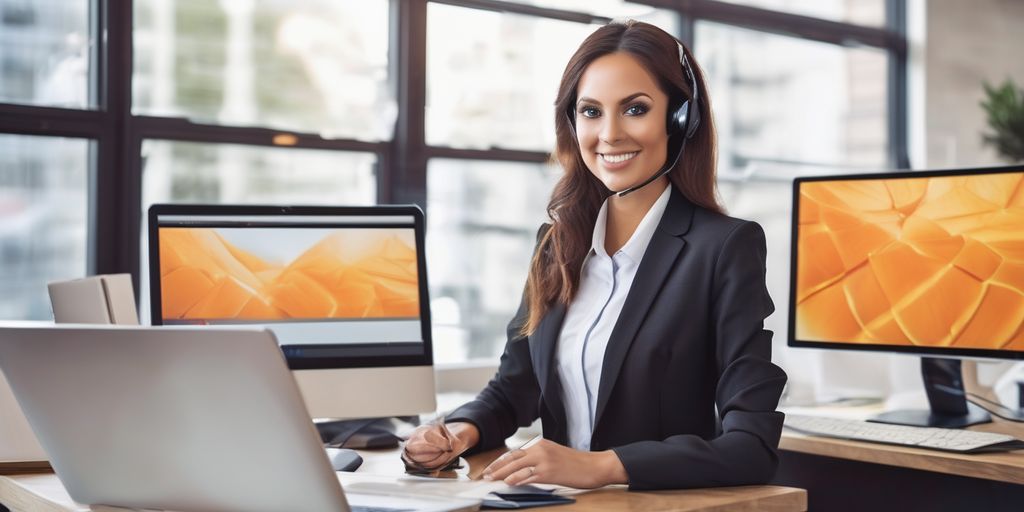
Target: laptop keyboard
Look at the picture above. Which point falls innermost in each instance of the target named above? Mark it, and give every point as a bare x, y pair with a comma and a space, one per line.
357, 508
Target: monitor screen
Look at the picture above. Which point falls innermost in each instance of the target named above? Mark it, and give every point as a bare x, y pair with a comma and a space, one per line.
340, 284
925, 262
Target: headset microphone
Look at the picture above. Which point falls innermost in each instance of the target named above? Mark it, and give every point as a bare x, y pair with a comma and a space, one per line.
668, 167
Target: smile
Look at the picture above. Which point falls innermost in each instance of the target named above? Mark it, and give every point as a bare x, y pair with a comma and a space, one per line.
617, 159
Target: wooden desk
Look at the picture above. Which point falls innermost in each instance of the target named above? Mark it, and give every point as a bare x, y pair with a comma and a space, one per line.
850, 475
44, 492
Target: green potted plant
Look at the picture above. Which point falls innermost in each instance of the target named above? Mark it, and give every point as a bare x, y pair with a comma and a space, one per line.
1004, 106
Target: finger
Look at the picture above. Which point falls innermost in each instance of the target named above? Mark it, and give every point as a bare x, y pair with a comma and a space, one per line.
421, 457
428, 443
511, 466
501, 461
532, 480
438, 439
448, 436
423, 449
424, 443
426, 458
520, 476
430, 462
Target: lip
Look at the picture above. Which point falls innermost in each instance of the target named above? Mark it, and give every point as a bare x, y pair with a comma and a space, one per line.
617, 165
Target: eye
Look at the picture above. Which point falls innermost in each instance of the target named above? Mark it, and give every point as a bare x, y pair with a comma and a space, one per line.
590, 112
637, 109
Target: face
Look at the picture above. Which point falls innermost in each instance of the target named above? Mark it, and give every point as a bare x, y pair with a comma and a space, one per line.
620, 121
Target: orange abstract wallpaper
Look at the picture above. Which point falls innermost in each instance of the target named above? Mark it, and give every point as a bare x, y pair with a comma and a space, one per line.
346, 274
913, 261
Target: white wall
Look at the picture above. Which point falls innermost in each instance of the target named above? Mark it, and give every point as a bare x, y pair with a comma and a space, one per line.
966, 43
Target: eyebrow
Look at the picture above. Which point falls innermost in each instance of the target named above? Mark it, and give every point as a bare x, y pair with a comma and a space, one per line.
623, 101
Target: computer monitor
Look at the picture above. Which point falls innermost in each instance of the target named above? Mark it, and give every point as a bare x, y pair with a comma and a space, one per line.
344, 289
928, 263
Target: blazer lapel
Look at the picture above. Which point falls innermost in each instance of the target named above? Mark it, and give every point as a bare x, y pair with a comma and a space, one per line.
542, 352
662, 253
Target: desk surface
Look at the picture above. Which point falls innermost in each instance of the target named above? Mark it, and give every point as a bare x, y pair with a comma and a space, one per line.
44, 492
1003, 467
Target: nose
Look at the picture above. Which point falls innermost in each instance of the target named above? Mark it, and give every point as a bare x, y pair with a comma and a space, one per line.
611, 130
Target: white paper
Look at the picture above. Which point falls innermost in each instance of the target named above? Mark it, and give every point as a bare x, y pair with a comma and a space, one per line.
362, 483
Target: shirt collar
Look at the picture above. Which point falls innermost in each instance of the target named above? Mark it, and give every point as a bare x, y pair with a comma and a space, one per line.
637, 244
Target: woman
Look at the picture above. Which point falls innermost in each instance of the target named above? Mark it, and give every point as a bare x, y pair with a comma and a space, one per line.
644, 305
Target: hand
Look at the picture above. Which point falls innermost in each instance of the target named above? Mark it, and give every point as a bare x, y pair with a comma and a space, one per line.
434, 445
551, 463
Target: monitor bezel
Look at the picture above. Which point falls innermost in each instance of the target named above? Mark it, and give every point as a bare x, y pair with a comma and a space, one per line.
426, 358
792, 341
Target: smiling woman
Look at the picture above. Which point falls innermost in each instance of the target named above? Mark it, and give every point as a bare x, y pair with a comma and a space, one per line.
620, 123
644, 308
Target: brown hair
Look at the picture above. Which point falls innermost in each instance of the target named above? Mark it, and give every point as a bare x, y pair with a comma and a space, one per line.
555, 270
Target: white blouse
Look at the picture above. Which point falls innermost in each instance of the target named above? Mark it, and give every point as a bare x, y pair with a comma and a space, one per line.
604, 284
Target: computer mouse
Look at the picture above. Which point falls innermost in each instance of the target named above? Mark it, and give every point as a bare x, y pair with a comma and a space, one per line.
343, 459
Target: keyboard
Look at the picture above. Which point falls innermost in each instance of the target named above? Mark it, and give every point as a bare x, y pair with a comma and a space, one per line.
946, 439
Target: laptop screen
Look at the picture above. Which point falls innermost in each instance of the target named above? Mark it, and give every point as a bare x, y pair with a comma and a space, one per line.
321, 282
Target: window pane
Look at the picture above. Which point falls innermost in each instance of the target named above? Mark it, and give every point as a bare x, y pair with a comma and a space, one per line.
43, 226
667, 20
481, 228
315, 66
861, 12
232, 173
495, 84
781, 101
45, 52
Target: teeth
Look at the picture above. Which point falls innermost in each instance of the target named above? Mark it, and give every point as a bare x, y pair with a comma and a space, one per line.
618, 158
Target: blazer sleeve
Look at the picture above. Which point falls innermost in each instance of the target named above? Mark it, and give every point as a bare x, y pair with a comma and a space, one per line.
747, 392
511, 398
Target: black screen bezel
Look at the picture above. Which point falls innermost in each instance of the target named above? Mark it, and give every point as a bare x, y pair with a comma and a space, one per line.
426, 358
792, 341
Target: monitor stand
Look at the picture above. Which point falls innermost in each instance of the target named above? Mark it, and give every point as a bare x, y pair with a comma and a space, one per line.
946, 397
366, 433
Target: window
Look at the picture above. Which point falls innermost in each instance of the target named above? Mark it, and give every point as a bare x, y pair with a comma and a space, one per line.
495, 84
46, 50
781, 101
784, 107
235, 173
616, 9
43, 219
481, 230
862, 12
315, 66
447, 103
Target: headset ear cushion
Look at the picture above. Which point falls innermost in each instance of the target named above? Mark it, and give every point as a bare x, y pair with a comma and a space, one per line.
693, 122
678, 119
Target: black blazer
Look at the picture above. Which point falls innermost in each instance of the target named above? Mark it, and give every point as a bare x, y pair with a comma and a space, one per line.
690, 336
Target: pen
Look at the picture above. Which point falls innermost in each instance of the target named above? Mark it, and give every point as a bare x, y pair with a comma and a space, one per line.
530, 443
439, 421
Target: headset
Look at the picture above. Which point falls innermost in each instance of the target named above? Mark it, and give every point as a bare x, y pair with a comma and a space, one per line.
682, 120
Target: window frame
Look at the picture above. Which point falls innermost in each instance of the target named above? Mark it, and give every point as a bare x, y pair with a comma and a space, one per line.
115, 217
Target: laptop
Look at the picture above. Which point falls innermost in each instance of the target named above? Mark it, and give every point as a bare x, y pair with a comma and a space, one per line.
178, 418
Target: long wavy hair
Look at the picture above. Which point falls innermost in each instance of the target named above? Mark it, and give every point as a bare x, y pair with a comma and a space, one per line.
555, 269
